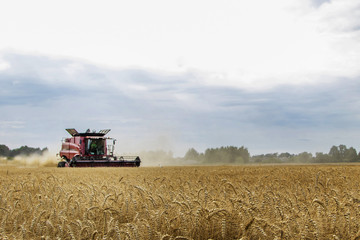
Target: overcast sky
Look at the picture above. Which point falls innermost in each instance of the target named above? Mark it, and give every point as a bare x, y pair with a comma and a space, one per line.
273, 76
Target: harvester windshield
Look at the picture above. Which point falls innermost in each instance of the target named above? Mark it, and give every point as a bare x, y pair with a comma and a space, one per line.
95, 146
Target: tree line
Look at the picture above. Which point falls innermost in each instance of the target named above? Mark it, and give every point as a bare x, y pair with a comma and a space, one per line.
336, 154
5, 151
227, 155
235, 155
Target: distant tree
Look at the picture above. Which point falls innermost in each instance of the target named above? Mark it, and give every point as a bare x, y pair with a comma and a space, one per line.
322, 158
343, 154
285, 155
271, 155
4, 150
334, 154
257, 158
272, 158
231, 154
191, 154
342, 151
25, 150
244, 154
350, 155
304, 157
266, 158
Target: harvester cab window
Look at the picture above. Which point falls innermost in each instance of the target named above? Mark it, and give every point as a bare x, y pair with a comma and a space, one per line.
95, 146
110, 146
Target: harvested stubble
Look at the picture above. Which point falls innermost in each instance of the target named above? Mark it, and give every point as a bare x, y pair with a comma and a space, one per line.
274, 202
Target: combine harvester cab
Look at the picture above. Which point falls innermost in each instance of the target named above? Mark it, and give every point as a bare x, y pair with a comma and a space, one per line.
92, 149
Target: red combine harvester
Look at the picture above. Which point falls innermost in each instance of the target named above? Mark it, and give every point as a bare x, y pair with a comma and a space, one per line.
92, 149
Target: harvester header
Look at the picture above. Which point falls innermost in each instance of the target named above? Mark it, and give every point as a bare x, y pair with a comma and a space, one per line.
92, 149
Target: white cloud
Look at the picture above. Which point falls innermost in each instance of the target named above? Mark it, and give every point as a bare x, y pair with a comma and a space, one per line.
3, 64
12, 124
340, 15
249, 44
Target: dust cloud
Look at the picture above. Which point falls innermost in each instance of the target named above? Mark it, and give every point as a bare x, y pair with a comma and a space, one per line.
47, 159
158, 158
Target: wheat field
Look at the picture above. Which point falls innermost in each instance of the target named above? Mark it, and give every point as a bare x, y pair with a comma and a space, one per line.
225, 202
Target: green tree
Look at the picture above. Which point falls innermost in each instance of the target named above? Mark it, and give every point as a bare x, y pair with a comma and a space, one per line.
24, 150
322, 158
304, 157
230, 154
350, 155
191, 154
334, 154
343, 154
342, 151
4, 150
